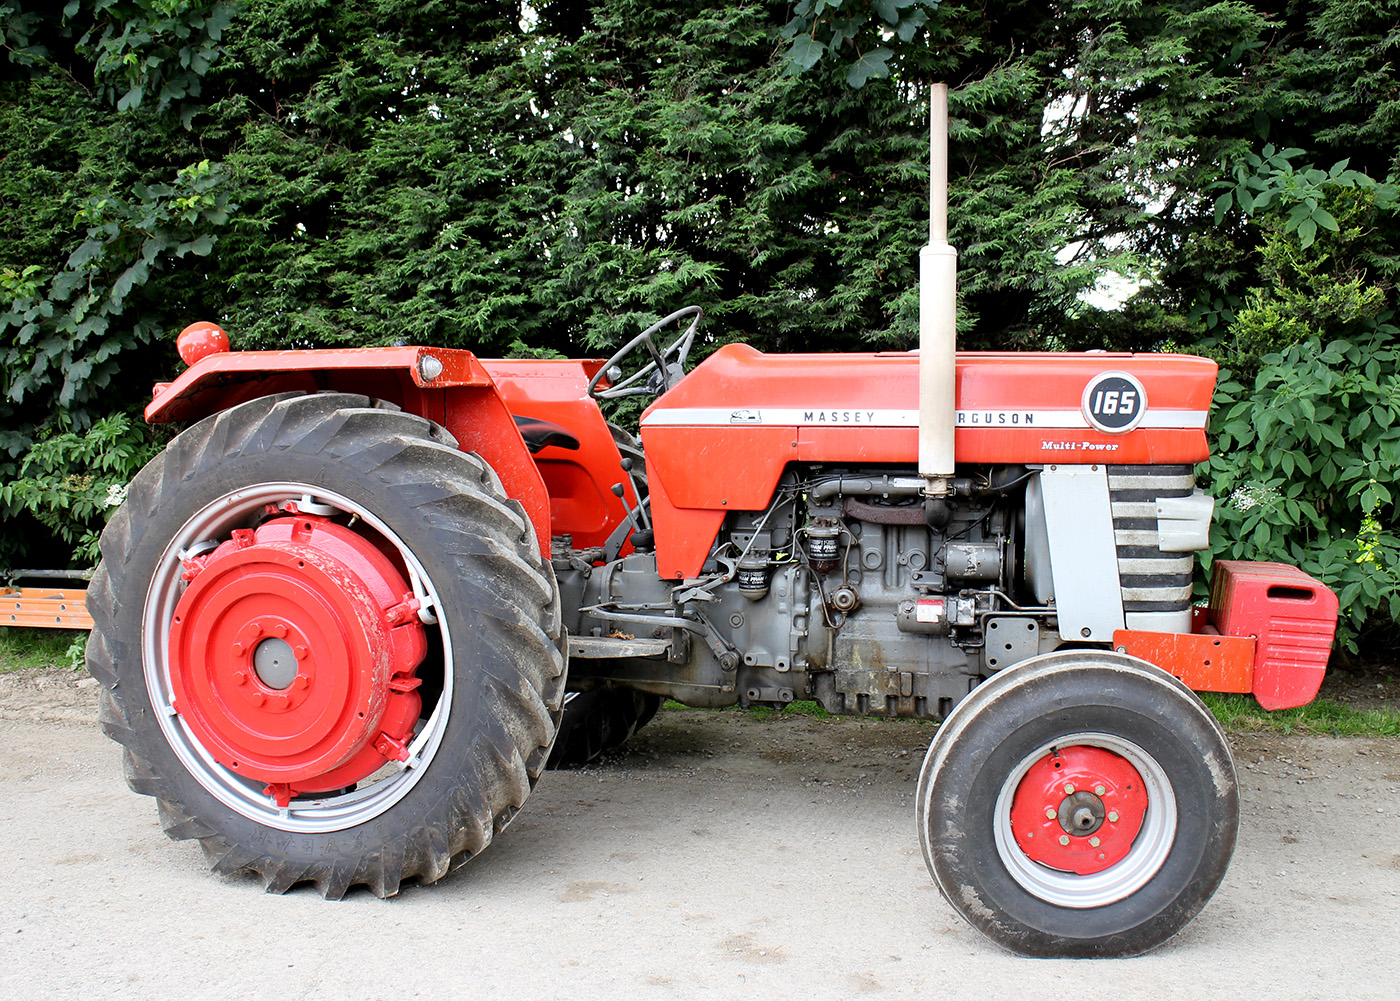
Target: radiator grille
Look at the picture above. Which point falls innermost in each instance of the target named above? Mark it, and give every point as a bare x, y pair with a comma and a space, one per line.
1152, 581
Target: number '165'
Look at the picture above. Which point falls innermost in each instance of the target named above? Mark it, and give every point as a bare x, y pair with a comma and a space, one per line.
1114, 402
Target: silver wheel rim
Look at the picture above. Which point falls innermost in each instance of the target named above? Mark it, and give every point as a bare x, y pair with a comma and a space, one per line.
322, 814
1150, 849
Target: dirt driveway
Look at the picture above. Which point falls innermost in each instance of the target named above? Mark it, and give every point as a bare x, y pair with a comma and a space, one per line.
720, 857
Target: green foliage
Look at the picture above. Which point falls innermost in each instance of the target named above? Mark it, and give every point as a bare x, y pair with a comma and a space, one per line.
1240, 713
1334, 286
59, 338
97, 232
1306, 419
151, 47
71, 482
1269, 180
1304, 468
831, 27
24, 649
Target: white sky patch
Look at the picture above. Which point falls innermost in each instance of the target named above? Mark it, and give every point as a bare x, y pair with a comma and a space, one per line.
1111, 288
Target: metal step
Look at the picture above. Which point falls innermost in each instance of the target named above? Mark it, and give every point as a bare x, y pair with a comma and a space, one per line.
616, 648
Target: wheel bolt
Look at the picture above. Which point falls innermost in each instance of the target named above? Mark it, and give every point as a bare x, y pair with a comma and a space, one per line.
1050, 813
238, 649
300, 652
1099, 790
280, 702
1113, 817
300, 681
1064, 839
279, 630
240, 678
1069, 789
1094, 842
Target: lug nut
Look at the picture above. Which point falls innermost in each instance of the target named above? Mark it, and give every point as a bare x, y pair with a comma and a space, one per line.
1094, 842
240, 678
1050, 813
1113, 817
238, 649
1064, 839
279, 630
1099, 790
300, 652
1069, 789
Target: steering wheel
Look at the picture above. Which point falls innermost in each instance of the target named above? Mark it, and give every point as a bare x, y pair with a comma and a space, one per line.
660, 374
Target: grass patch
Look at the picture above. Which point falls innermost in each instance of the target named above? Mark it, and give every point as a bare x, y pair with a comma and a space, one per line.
24, 649
791, 709
1241, 714
763, 712
1236, 713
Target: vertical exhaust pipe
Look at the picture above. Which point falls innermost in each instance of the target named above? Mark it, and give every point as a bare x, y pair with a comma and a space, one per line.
938, 315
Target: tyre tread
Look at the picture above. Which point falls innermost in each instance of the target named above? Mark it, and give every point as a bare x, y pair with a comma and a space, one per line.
408, 456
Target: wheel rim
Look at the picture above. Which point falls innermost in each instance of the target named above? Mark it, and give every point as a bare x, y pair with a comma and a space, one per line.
1070, 871
251, 795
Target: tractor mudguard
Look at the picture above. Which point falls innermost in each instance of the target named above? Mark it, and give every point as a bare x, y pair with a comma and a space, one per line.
450, 387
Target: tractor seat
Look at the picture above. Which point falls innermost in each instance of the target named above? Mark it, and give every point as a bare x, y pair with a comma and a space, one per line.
538, 434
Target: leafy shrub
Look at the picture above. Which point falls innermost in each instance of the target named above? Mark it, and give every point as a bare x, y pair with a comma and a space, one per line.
1303, 470
70, 482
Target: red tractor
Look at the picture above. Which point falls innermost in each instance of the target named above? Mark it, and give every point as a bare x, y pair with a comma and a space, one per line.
347, 618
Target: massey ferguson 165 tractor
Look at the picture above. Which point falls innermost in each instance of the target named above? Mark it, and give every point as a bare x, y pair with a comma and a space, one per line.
346, 619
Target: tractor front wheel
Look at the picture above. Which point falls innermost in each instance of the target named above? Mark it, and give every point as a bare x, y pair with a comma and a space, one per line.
327, 643
1079, 804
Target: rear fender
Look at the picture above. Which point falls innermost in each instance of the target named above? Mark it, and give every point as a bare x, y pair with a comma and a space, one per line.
450, 387
581, 481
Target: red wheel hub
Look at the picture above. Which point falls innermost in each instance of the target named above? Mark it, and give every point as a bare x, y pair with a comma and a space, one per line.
292, 654
1078, 809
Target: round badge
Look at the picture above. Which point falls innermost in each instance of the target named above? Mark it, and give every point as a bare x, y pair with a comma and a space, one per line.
1114, 402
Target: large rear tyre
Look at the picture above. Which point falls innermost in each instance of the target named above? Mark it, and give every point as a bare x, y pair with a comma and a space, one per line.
599, 721
1079, 804
328, 644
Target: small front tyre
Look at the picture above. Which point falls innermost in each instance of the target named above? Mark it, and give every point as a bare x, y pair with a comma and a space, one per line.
1080, 804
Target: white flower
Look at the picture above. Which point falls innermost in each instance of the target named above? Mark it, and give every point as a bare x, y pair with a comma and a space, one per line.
1251, 494
116, 495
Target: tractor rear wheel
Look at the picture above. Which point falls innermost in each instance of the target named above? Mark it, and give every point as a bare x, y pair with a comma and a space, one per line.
599, 721
1079, 804
328, 644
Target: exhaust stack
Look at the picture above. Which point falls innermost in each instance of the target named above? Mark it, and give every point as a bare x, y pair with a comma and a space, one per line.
938, 314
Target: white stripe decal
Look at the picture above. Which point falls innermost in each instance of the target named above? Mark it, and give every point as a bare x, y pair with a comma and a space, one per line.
849, 417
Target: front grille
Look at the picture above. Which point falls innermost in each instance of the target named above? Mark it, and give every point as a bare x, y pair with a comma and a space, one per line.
1152, 581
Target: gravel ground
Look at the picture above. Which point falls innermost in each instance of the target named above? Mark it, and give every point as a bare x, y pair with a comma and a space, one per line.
717, 856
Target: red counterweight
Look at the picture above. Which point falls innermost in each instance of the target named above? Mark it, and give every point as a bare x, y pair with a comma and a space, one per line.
1291, 615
